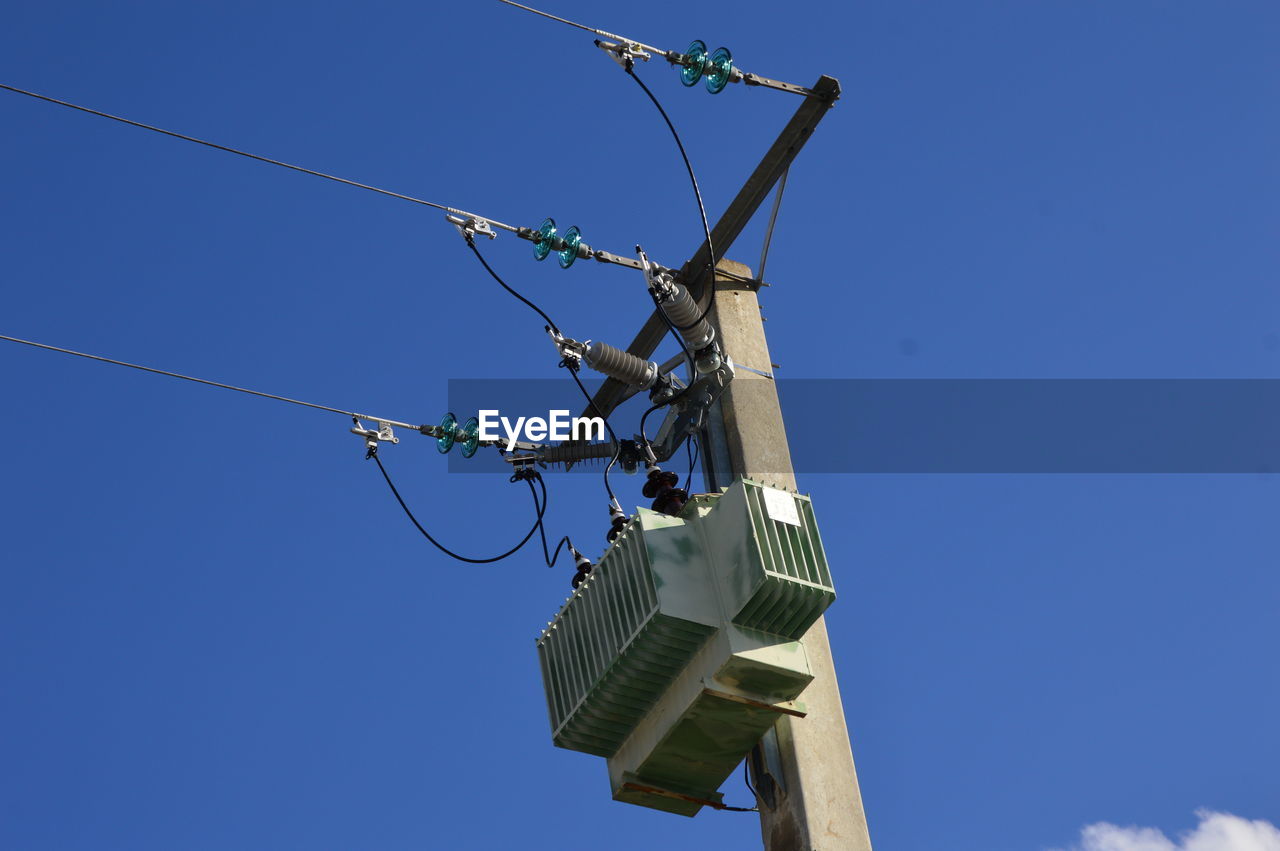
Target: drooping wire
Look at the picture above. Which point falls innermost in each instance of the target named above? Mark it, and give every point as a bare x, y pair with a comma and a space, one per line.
540, 509
645, 416
471, 243
692, 449
571, 366
542, 529
697, 193
246, 154
591, 404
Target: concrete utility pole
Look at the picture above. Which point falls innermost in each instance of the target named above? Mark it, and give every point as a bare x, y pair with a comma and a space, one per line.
807, 786
804, 774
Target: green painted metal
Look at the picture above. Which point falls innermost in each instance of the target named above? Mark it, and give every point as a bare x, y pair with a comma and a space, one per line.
774, 573
683, 645
620, 640
707, 722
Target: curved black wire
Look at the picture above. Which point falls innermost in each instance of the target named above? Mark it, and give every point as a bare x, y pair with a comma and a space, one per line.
573, 371
471, 243
692, 449
697, 193
591, 404
746, 776
542, 530
644, 417
537, 523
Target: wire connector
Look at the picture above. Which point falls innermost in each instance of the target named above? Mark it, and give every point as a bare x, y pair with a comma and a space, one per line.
470, 226
583, 564
617, 520
626, 53
659, 280
571, 351
372, 438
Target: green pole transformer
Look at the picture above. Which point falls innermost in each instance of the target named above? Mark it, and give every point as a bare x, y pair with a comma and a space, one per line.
683, 645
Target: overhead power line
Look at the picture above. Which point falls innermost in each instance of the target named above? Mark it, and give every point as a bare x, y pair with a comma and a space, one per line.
152, 369
718, 68
249, 155
540, 506
460, 218
601, 33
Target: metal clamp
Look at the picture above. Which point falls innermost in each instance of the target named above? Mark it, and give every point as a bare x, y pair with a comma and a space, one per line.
571, 350
470, 226
372, 438
658, 278
623, 53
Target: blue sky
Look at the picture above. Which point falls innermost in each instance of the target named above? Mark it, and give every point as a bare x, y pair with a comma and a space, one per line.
217, 629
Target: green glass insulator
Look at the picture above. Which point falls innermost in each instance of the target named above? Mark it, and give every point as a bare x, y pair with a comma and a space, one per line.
691, 73
469, 437
449, 432
720, 69
572, 239
546, 234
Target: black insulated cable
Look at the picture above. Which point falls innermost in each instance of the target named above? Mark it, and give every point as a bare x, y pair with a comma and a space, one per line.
471, 243
697, 193
537, 523
644, 417
542, 531
572, 367
591, 405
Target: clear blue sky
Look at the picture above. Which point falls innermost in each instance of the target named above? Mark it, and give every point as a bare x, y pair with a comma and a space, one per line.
216, 629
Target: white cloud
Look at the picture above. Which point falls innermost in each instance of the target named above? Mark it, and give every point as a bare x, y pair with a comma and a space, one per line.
1215, 832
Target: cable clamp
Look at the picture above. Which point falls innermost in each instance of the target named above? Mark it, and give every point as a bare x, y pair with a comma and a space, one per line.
470, 226
523, 469
570, 350
372, 438
625, 53
657, 278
